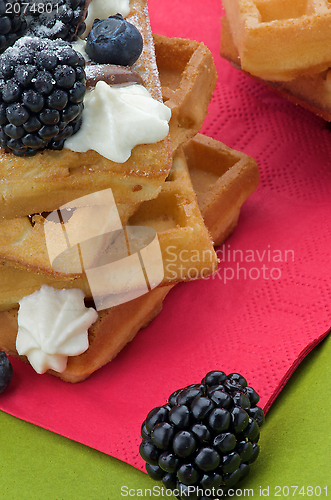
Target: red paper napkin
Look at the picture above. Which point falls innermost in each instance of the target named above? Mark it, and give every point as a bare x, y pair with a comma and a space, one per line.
269, 302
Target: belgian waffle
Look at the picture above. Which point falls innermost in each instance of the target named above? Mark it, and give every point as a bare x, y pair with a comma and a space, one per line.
188, 78
184, 240
281, 39
52, 178
174, 214
312, 91
225, 178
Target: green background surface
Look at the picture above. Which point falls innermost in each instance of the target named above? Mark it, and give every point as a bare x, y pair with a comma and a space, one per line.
295, 451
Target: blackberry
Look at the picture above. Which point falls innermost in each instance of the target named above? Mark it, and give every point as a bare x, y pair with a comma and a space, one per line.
6, 371
42, 86
114, 41
204, 438
55, 18
12, 23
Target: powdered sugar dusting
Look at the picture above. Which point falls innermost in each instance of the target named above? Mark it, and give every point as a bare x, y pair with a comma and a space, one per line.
21, 50
146, 64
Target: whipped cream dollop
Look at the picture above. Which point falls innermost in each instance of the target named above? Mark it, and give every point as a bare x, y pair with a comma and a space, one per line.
101, 9
52, 325
117, 118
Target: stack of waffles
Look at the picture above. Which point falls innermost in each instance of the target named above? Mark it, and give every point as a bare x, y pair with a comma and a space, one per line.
285, 44
192, 203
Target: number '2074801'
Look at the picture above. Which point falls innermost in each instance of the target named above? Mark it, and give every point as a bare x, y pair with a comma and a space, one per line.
31, 7
291, 491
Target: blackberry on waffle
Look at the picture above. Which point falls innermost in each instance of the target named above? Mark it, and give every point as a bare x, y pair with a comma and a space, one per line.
12, 23
55, 18
42, 85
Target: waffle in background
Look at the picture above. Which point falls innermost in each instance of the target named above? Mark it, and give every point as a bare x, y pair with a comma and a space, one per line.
225, 178
281, 39
311, 91
49, 179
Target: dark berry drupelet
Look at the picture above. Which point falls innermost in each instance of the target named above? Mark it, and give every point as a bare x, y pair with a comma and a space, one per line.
204, 437
12, 23
42, 86
55, 18
6, 371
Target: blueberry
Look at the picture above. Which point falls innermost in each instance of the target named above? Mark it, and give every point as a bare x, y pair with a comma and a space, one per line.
114, 41
6, 371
